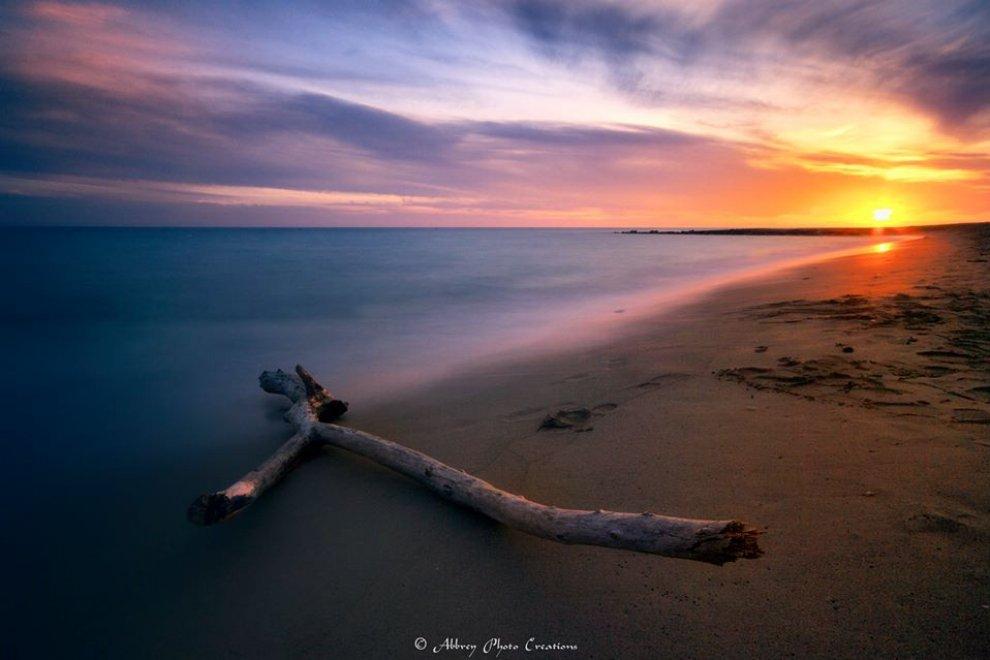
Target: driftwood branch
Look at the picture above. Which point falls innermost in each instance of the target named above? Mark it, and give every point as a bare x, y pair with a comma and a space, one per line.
312, 410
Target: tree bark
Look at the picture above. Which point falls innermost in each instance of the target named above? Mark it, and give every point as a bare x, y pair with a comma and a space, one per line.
313, 407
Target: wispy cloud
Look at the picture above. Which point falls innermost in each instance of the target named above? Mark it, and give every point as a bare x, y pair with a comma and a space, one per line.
167, 191
934, 53
584, 111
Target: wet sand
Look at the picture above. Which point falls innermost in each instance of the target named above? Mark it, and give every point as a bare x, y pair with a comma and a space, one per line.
840, 405
858, 437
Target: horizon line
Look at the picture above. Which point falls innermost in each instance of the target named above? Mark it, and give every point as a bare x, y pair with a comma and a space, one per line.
623, 228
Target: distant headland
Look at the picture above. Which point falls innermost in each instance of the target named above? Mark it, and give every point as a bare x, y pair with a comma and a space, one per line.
802, 231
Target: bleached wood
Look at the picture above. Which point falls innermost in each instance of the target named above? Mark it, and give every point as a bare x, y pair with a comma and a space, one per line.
310, 402
712, 541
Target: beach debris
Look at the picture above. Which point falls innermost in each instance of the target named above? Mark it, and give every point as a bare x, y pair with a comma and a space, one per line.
760, 349
941, 361
831, 378
900, 309
311, 414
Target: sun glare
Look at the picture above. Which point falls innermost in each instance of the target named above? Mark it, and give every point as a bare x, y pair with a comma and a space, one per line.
880, 248
882, 215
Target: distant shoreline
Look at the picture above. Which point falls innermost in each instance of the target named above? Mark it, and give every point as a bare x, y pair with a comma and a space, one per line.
799, 231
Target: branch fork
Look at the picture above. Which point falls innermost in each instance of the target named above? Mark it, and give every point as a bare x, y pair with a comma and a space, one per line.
313, 412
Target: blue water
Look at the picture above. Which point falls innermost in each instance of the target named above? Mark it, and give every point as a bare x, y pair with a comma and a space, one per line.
367, 308
131, 360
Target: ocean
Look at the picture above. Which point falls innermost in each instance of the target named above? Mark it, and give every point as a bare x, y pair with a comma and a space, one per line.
132, 358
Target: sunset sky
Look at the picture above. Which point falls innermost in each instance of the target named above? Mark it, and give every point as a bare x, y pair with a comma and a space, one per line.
515, 113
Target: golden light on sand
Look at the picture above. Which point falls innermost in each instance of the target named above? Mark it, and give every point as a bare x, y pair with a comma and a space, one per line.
880, 248
882, 215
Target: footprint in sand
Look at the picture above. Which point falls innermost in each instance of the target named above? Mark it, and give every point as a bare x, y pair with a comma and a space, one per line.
982, 391
945, 355
576, 418
970, 416
932, 522
661, 380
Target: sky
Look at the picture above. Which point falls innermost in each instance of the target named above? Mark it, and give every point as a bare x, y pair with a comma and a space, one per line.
580, 113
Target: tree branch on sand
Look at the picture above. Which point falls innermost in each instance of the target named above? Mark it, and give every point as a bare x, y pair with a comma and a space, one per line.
314, 408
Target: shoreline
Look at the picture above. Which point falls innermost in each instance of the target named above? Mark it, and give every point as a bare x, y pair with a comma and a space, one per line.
870, 481
876, 515
878, 231
628, 315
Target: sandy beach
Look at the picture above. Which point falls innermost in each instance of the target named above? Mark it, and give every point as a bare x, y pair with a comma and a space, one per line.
841, 406
858, 437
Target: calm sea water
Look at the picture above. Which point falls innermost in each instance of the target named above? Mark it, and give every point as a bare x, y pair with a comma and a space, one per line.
132, 357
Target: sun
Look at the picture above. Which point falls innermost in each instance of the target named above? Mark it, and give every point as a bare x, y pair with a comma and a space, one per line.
882, 215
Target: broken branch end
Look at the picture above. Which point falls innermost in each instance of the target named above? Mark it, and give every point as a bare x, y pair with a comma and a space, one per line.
212, 508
